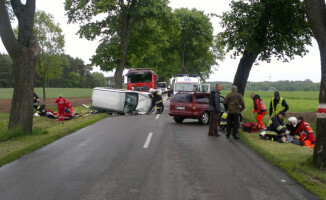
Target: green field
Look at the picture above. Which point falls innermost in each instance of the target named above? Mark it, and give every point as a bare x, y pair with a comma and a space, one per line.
298, 101
6, 93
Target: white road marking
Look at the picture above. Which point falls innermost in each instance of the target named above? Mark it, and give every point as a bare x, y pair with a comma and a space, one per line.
157, 116
148, 140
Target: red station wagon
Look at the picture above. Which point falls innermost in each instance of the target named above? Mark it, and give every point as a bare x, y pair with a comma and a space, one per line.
193, 105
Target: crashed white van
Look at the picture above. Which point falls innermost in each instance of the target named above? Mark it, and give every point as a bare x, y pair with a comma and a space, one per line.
121, 101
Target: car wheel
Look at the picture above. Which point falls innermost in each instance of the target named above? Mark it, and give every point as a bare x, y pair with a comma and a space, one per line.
204, 118
178, 119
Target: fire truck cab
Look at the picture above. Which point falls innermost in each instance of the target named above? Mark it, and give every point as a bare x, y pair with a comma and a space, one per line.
141, 79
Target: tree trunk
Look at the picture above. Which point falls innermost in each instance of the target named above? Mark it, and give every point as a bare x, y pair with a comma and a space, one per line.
123, 48
23, 52
21, 113
316, 13
242, 74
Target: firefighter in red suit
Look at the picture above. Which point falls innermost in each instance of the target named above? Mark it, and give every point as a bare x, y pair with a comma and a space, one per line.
304, 133
260, 109
61, 104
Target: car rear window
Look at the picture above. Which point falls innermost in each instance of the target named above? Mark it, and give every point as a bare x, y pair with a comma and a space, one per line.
202, 98
181, 97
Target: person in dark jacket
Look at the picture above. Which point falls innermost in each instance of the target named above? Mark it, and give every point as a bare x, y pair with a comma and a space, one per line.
235, 104
260, 109
276, 124
214, 111
169, 93
157, 101
36, 101
277, 104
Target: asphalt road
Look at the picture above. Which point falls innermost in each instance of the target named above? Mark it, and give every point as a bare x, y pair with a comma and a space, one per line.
147, 157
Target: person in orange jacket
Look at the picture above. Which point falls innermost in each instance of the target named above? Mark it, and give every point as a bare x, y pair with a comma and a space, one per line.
260, 109
61, 104
304, 133
69, 110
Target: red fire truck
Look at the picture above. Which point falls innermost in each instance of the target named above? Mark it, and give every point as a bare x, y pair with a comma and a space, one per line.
139, 79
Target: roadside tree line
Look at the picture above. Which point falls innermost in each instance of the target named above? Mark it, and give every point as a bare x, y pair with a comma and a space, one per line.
74, 73
306, 85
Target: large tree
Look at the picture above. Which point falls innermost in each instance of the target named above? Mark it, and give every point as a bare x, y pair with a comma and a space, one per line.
260, 29
152, 45
196, 42
115, 21
316, 12
23, 51
51, 41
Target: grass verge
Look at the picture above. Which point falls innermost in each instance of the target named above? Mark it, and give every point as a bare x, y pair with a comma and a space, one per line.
47, 131
294, 159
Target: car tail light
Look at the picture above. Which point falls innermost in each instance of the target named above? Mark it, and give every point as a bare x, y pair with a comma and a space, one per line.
194, 106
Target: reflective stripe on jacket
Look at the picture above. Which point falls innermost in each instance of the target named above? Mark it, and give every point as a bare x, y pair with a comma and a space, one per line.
279, 107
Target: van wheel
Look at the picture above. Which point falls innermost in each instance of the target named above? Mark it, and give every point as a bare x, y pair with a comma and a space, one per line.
204, 118
178, 119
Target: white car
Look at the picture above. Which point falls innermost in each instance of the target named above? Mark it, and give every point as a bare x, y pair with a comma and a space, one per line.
121, 101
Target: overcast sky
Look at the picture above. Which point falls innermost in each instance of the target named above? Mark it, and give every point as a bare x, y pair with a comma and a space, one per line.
307, 67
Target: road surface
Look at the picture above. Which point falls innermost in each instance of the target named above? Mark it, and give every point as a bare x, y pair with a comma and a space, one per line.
147, 157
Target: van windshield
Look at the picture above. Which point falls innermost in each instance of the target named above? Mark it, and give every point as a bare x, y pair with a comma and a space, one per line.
161, 85
140, 78
188, 87
131, 102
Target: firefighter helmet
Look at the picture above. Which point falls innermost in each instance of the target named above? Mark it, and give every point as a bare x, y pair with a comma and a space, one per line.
293, 120
151, 90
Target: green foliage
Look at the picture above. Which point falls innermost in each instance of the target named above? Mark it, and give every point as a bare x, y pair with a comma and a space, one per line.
98, 80
151, 46
195, 43
6, 71
121, 17
266, 28
73, 80
51, 42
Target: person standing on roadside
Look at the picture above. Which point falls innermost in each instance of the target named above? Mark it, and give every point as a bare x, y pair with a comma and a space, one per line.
235, 105
169, 93
61, 104
214, 110
260, 109
277, 104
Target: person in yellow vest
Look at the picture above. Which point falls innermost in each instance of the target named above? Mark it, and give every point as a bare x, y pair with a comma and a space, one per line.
277, 104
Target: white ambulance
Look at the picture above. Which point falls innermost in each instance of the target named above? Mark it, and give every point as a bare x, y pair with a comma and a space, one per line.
186, 83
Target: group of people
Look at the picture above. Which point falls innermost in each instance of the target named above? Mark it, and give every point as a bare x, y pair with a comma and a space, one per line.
65, 109
296, 131
234, 105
